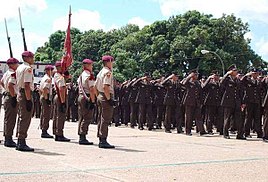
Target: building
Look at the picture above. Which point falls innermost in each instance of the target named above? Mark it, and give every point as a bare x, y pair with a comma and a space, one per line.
38, 69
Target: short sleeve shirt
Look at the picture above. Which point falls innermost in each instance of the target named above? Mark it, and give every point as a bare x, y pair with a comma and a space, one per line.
104, 77
24, 74
59, 80
88, 81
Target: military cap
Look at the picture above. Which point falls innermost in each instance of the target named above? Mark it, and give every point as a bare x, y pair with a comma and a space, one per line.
49, 67
107, 58
58, 63
232, 67
254, 70
27, 54
214, 72
193, 71
87, 61
12, 61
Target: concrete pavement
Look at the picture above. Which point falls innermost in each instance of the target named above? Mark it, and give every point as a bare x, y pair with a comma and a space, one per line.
138, 156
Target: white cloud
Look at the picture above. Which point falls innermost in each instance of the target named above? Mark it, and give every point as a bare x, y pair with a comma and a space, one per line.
262, 47
138, 21
246, 9
9, 9
81, 19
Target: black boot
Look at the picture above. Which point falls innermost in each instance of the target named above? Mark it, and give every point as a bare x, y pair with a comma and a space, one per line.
84, 141
21, 146
45, 134
9, 142
104, 144
61, 138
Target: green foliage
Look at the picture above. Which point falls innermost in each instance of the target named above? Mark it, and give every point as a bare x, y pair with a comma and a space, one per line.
162, 48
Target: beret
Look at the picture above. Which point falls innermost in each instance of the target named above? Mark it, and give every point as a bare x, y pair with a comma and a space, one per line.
49, 67
12, 61
27, 54
232, 67
193, 71
87, 61
58, 63
107, 58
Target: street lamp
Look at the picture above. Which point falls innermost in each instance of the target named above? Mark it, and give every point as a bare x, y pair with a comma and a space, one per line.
212, 52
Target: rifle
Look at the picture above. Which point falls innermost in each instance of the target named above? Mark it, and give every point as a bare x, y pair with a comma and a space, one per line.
22, 31
8, 39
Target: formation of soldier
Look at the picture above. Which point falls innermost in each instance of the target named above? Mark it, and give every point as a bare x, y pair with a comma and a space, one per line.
234, 103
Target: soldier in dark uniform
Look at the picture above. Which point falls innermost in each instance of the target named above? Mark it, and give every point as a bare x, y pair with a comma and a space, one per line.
124, 104
116, 113
252, 99
212, 102
232, 102
145, 101
134, 107
169, 101
192, 102
71, 109
265, 108
36, 100
159, 95
178, 105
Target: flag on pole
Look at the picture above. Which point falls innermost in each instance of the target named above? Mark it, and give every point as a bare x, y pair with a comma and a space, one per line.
67, 57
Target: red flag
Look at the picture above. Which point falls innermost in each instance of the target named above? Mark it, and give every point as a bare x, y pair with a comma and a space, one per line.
67, 58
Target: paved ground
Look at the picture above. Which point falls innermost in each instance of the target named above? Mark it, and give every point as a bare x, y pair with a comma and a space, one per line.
138, 156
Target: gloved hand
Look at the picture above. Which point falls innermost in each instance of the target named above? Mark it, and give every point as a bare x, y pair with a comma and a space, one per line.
29, 105
14, 101
62, 107
48, 102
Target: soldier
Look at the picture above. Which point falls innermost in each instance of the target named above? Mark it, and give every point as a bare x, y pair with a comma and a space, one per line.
134, 107
159, 95
192, 102
178, 105
212, 102
60, 104
45, 100
104, 85
145, 101
71, 108
10, 101
265, 109
125, 110
232, 102
25, 79
252, 99
169, 101
116, 113
86, 101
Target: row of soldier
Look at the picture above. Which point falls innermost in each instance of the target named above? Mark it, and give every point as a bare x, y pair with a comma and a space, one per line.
230, 102
234, 102
18, 100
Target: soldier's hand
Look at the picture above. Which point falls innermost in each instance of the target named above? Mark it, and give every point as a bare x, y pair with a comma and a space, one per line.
29, 105
14, 101
229, 72
62, 107
249, 74
48, 102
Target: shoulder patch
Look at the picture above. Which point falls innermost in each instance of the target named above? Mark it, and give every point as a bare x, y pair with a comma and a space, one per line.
108, 74
29, 70
48, 80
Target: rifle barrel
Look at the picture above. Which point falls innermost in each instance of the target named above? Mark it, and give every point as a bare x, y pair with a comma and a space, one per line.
8, 40
22, 31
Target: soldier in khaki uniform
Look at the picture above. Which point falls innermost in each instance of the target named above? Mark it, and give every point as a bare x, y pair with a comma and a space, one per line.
25, 79
104, 85
86, 101
59, 104
45, 100
10, 101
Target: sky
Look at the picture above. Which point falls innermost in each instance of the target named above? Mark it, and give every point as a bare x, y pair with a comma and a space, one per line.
41, 18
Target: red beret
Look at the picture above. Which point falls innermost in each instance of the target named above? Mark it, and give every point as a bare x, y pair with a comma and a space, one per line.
27, 54
58, 63
49, 67
12, 61
87, 61
107, 58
